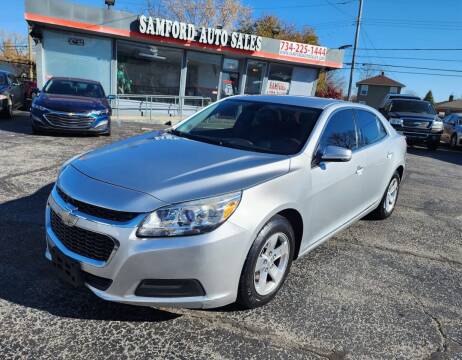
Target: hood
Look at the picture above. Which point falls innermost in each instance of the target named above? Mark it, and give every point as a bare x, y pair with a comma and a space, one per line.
411, 115
175, 169
69, 103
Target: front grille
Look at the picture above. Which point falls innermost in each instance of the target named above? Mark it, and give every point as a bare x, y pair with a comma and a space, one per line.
97, 211
69, 121
416, 124
80, 241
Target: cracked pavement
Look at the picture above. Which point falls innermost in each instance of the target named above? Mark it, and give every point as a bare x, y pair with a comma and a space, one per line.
378, 290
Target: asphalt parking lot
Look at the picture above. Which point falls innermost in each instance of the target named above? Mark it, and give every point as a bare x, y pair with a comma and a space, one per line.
379, 290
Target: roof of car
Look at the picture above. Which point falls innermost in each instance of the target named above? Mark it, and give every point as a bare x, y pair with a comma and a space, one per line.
74, 79
306, 101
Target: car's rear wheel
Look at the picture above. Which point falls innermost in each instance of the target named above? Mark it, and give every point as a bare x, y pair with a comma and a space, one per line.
389, 199
8, 111
453, 142
268, 263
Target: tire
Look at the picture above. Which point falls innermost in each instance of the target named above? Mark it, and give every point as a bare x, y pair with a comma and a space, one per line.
384, 210
453, 141
432, 145
8, 112
279, 232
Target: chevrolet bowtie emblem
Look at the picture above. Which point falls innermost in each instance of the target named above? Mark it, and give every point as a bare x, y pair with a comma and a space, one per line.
68, 218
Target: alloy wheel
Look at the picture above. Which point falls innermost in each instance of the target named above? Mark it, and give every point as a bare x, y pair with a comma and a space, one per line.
272, 263
392, 194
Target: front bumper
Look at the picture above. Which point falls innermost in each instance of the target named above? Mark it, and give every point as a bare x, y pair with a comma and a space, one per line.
214, 259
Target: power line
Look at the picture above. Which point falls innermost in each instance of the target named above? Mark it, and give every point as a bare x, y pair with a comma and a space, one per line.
410, 67
409, 58
416, 73
411, 49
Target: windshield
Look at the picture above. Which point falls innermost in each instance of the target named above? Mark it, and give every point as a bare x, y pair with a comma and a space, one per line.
252, 125
421, 107
3, 80
74, 87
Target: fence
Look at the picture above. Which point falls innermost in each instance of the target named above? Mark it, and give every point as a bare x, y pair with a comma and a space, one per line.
155, 108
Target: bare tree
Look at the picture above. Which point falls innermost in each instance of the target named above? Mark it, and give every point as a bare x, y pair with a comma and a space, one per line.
208, 13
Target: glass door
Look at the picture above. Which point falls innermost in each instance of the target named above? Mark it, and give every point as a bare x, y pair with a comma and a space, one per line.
255, 74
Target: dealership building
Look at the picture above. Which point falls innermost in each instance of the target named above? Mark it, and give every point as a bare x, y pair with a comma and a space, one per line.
137, 54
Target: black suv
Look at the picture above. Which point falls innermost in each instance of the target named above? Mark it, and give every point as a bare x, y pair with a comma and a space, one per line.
416, 119
11, 94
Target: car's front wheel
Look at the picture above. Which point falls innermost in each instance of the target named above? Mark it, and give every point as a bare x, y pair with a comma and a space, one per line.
389, 199
268, 263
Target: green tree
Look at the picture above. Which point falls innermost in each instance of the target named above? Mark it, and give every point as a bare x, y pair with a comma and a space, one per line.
273, 27
429, 97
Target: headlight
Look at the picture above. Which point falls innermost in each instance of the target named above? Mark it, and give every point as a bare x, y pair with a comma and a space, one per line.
99, 112
3, 97
38, 107
396, 121
189, 218
437, 126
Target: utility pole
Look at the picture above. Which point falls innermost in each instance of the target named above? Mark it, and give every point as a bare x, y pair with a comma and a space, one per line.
31, 70
358, 23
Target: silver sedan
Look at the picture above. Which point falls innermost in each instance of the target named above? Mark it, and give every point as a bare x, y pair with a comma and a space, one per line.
214, 210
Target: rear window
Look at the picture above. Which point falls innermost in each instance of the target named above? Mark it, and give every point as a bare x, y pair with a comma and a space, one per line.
75, 88
413, 106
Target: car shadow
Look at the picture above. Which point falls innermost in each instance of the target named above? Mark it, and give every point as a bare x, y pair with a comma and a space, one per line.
28, 279
453, 156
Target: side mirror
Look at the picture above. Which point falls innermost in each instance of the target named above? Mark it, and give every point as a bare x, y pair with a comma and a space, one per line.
336, 154
168, 123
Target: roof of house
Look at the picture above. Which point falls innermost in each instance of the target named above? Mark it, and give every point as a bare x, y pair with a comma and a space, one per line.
380, 80
455, 104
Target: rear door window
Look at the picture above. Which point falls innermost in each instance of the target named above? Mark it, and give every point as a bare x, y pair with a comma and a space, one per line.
370, 128
339, 131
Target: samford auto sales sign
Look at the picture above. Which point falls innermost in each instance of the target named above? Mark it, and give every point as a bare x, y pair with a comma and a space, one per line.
187, 32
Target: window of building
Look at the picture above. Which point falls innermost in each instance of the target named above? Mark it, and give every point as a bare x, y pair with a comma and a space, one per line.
148, 69
230, 77
340, 131
279, 79
255, 74
370, 128
203, 74
364, 90
393, 90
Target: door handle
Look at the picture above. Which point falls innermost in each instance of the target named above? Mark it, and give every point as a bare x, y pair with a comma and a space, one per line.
359, 170
389, 155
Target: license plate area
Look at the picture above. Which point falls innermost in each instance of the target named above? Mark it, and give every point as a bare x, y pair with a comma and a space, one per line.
69, 270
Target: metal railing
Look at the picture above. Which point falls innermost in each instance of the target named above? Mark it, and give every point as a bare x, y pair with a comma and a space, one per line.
150, 106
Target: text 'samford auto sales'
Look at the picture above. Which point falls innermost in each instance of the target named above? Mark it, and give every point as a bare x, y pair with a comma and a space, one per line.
138, 54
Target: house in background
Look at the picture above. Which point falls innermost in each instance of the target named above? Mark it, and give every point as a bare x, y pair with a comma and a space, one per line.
373, 90
450, 106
